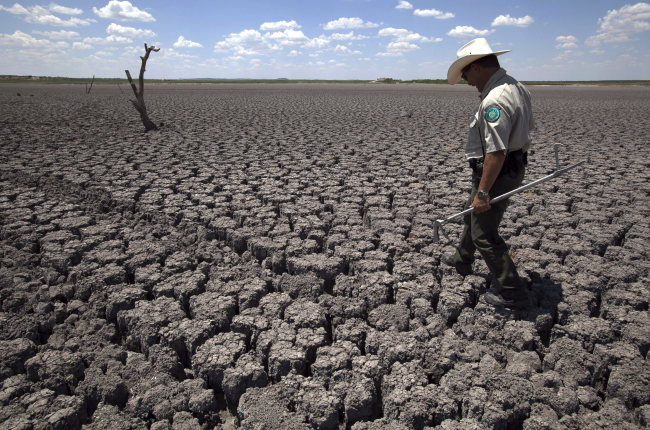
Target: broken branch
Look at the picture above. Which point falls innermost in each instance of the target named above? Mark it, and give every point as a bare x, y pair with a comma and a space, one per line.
91, 85
139, 92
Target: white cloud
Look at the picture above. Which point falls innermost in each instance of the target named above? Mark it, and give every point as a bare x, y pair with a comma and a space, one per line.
23, 40
347, 36
628, 19
320, 63
279, 25
568, 54
403, 4
131, 51
16, 9
222, 47
294, 53
516, 22
64, 10
247, 37
467, 31
122, 11
118, 30
403, 35
240, 50
289, 37
101, 60
184, 43
619, 25
41, 15
434, 13
104, 54
389, 54
401, 47
349, 23
566, 39
597, 51
250, 38
313, 55
403, 40
108, 40
568, 45
48, 19
169, 53
389, 31
62, 34
344, 50
320, 42
607, 38
80, 45
252, 42
253, 39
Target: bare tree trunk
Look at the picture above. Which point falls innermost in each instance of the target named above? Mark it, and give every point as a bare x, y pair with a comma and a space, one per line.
139, 93
91, 85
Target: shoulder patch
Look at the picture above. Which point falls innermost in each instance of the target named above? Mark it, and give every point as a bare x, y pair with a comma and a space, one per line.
492, 114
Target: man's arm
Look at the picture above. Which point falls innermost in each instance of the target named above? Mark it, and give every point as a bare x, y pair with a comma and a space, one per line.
491, 168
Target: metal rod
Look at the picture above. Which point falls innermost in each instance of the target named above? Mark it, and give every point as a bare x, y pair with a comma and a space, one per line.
537, 182
437, 225
518, 190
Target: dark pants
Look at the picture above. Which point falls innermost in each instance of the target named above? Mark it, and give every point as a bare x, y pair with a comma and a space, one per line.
481, 232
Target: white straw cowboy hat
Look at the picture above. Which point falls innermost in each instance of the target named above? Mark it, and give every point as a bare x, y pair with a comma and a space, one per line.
469, 53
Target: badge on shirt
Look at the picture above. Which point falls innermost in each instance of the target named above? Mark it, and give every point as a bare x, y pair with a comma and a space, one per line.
492, 114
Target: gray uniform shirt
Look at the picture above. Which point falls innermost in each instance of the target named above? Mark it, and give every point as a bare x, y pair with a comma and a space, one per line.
503, 119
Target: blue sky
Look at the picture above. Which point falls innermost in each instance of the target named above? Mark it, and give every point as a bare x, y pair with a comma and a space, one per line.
334, 39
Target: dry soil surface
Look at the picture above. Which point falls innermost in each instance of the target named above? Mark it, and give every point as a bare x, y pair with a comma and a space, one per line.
266, 261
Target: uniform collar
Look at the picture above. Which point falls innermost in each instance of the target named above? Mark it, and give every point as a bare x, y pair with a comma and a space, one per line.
491, 83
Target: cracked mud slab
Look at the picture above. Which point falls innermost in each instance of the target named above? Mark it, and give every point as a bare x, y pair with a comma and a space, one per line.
266, 260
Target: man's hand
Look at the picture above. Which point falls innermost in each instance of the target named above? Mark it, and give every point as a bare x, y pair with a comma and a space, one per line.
491, 169
481, 204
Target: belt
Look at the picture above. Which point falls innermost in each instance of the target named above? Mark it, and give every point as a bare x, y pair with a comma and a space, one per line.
476, 164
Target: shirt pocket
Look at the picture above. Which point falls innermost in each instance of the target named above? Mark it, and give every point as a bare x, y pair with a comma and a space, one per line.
474, 132
473, 120
474, 147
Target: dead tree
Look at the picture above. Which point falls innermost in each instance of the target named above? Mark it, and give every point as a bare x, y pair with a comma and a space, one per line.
91, 85
138, 103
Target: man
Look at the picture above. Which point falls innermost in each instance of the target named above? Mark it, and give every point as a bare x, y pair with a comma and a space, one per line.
499, 138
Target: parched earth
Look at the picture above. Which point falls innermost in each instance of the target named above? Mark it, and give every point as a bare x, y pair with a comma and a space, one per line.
266, 261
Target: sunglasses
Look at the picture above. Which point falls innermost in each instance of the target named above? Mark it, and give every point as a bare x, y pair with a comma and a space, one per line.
462, 76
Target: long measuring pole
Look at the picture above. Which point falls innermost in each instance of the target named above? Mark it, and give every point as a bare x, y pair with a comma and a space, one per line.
439, 223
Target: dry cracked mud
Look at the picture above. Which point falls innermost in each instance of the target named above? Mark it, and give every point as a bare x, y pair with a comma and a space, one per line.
266, 261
